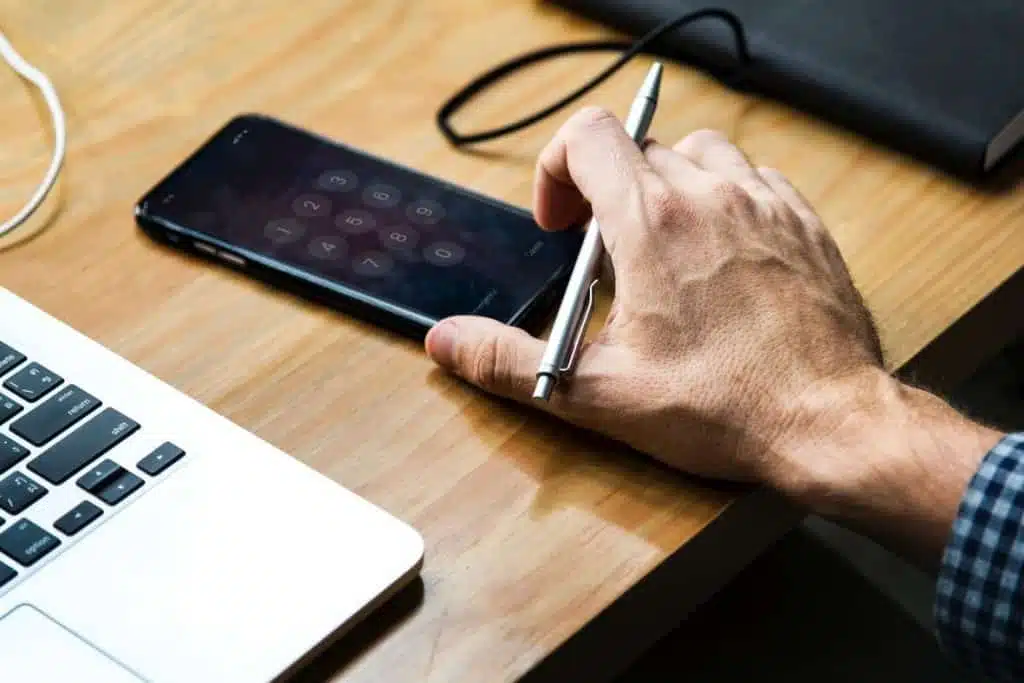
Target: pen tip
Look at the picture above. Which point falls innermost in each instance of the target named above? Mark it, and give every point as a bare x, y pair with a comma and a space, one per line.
652, 83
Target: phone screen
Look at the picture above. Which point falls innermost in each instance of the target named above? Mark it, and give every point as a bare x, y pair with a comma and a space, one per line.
312, 206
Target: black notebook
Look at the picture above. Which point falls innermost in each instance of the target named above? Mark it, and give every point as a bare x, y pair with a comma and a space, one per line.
941, 80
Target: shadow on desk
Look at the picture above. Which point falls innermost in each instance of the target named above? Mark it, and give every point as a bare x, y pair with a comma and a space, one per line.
339, 655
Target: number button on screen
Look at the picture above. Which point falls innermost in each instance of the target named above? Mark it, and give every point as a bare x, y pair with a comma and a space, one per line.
444, 254
311, 205
425, 212
284, 231
327, 248
399, 237
381, 196
355, 222
373, 264
337, 181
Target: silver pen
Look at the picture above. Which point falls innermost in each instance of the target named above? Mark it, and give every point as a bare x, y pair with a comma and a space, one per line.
577, 305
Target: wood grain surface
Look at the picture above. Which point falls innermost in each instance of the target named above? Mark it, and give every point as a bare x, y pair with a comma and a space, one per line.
532, 529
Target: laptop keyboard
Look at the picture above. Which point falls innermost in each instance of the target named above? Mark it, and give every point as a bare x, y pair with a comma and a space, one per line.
38, 406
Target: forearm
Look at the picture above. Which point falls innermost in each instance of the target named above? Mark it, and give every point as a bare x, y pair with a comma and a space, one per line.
889, 460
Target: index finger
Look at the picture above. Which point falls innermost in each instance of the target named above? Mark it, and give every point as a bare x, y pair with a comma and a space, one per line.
590, 165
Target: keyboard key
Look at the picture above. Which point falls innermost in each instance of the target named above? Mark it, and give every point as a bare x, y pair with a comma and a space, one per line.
63, 409
80, 516
17, 492
160, 459
8, 409
26, 543
11, 453
6, 574
100, 475
120, 488
82, 446
9, 358
33, 382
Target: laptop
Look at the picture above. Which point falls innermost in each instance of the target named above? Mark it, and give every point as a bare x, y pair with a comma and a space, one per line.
145, 538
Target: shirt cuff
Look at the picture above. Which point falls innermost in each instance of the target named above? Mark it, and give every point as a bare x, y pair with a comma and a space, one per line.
979, 614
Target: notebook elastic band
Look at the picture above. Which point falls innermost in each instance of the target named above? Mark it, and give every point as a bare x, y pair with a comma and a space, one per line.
629, 50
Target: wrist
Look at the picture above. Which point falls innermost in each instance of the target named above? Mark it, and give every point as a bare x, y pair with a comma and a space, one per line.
886, 458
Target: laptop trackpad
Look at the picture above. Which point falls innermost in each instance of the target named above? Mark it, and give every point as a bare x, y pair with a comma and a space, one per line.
35, 648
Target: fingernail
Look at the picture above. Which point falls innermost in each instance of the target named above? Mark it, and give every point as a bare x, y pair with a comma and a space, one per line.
441, 344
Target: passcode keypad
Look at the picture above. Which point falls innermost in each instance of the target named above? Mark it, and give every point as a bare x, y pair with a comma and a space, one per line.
395, 242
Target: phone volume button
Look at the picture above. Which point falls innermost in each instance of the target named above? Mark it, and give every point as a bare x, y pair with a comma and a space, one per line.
231, 258
205, 247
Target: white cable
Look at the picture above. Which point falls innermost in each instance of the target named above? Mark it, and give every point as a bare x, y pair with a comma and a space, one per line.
38, 79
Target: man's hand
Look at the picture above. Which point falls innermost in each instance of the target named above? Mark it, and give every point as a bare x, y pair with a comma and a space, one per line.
732, 302
737, 345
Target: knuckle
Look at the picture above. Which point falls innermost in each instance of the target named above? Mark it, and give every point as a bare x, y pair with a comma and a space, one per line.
699, 139
733, 195
666, 206
590, 117
491, 365
780, 212
813, 225
831, 249
825, 240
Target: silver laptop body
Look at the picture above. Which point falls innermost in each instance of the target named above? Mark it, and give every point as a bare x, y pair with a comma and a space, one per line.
146, 538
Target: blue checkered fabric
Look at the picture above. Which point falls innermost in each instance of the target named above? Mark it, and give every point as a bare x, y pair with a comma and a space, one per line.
979, 605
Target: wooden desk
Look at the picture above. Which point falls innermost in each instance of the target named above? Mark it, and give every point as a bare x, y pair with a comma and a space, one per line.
532, 530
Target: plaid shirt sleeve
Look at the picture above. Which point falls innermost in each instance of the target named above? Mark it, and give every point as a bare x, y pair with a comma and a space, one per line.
979, 605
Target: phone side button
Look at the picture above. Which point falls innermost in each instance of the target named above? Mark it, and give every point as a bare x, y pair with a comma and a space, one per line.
231, 258
205, 247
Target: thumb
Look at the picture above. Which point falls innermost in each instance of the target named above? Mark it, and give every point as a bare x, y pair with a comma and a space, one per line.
497, 358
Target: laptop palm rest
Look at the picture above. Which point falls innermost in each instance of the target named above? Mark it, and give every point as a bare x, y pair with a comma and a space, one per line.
35, 648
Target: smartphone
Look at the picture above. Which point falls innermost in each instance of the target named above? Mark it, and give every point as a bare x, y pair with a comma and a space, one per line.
366, 236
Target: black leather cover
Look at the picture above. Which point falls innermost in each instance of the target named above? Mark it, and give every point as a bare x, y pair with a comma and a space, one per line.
936, 79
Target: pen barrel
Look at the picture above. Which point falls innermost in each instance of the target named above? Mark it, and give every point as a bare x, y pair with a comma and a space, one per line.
574, 302
638, 122
573, 313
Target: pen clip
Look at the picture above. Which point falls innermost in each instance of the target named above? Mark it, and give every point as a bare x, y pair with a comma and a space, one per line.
581, 330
